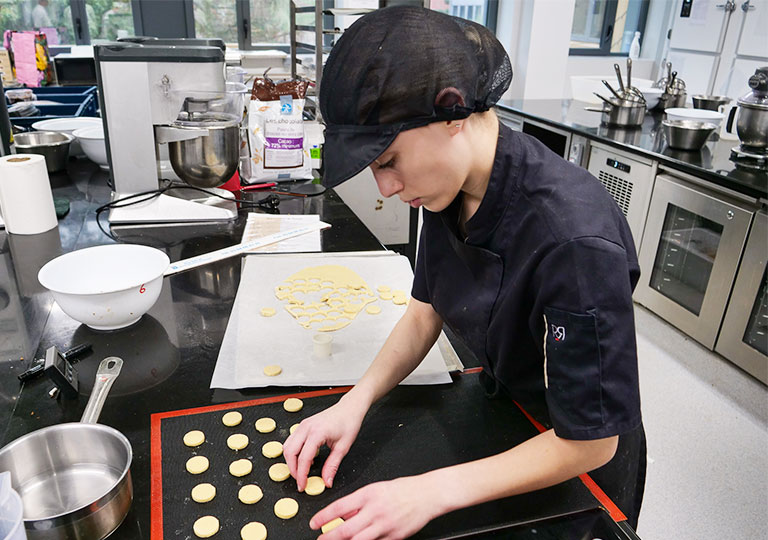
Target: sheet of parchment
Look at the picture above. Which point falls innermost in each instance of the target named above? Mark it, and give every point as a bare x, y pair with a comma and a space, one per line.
252, 341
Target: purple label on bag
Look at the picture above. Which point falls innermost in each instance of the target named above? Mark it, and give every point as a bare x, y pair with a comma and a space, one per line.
283, 143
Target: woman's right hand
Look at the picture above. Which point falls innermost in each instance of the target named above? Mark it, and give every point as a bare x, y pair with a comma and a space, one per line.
336, 427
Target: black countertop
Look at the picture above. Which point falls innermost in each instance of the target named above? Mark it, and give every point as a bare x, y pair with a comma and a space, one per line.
170, 353
712, 163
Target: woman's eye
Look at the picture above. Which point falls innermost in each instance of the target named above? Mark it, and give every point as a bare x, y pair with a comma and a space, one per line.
388, 164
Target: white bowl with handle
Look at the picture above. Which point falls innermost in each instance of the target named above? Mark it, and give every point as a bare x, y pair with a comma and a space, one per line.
106, 287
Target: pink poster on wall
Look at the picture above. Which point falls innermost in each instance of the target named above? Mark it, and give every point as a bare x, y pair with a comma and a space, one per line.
23, 44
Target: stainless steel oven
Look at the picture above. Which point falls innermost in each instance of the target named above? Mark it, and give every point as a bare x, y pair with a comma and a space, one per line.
570, 146
743, 337
689, 254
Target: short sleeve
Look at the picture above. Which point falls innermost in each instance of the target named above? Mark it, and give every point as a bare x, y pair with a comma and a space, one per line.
583, 313
420, 291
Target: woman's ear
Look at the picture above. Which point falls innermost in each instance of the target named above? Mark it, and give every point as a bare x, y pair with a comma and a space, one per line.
448, 97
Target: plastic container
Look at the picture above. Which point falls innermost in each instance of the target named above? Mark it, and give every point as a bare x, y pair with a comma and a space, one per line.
634, 48
73, 101
11, 511
698, 115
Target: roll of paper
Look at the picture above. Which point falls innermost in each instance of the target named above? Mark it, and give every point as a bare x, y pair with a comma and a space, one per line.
26, 201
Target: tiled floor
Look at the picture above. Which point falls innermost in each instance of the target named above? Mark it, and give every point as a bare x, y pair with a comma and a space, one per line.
707, 427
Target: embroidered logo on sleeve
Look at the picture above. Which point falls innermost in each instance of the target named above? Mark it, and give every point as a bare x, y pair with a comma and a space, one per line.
558, 332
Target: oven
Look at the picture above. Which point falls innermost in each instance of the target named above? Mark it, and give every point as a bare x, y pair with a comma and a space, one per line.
570, 146
743, 338
689, 255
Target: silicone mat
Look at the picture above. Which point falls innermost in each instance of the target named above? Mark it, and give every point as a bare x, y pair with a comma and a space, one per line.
410, 431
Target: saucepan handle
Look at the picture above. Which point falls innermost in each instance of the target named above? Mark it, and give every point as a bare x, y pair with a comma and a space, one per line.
109, 369
594, 109
731, 116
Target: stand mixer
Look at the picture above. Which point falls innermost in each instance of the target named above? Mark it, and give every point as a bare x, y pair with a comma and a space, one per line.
168, 99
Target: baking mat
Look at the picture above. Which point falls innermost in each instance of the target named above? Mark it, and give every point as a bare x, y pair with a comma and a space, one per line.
253, 341
410, 431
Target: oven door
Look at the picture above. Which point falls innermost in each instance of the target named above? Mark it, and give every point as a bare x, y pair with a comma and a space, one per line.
744, 336
689, 255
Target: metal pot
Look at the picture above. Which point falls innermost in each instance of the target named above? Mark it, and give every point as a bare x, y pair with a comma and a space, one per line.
752, 125
210, 160
54, 146
74, 479
710, 103
624, 115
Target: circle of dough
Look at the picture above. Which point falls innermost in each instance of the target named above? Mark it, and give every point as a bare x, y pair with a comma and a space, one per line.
399, 300
206, 526
373, 310
293, 404
383, 288
315, 486
232, 419
386, 296
331, 525
253, 531
272, 371
272, 449
268, 311
238, 441
286, 508
279, 472
194, 438
202, 493
265, 425
197, 464
250, 494
293, 428
241, 467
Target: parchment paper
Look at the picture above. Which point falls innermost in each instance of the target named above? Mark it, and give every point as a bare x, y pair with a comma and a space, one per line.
252, 341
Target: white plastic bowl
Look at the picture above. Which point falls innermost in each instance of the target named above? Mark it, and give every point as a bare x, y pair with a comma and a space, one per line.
651, 96
700, 115
68, 125
106, 287
92, 140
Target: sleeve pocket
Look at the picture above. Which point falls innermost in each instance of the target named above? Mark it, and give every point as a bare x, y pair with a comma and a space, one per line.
572, 369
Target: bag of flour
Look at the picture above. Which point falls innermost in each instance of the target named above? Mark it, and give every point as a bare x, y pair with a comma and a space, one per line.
279, 149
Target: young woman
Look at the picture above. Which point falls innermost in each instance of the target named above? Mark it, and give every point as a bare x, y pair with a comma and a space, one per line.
544, 256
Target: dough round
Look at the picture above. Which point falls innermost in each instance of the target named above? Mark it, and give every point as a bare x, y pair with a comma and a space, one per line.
206, 526
202, 493
373, 310
399, 300
272, 449
383, 288
272, 371
250, 494
386, 296
238, 441
194, 438
331, 525
293, 404
268, 311
232, 419
254, 531
241, 467
279, 472
286, 508
315, 486
265, 425
197, 464
294, 427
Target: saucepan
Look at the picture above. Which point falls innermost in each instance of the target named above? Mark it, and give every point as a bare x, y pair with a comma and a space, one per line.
112, 286
74, 479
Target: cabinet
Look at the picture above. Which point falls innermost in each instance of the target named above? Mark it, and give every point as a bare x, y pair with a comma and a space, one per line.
629, 180
690, 251
743, 338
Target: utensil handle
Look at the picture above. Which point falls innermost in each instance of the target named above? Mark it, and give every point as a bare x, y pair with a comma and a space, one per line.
618, 76
593, 109
629, 73
609, 87
109, 369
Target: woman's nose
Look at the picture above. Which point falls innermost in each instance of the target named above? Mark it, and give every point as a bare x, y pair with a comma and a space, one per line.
388, 186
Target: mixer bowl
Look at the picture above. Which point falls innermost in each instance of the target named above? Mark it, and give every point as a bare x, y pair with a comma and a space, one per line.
207, 161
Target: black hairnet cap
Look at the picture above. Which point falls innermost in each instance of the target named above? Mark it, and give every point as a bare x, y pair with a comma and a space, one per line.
386, 72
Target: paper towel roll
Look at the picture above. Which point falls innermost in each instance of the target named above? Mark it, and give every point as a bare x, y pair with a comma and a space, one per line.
26, 200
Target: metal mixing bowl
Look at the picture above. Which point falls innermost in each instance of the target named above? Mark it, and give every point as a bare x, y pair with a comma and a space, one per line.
687, 134
710, 103
50, 144
207, 161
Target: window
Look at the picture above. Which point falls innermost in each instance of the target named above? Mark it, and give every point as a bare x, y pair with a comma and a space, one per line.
52, 17
479, 11
606, 27
216, 19
270, 22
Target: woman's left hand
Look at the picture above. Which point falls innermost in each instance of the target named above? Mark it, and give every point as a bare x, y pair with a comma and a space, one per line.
384, 510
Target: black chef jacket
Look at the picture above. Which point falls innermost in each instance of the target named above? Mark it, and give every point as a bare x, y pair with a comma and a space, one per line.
540, 289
